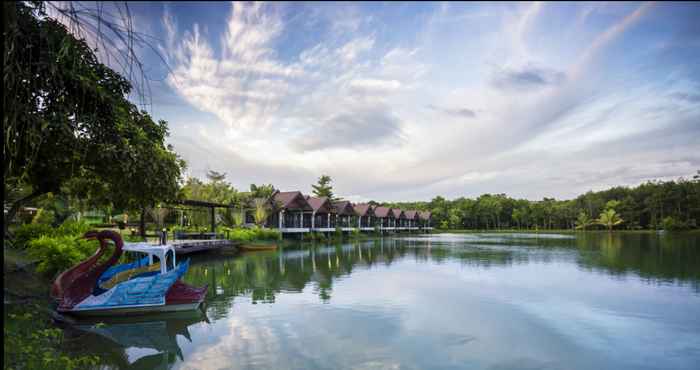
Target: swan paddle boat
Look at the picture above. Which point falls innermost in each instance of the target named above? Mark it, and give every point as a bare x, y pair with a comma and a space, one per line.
149, 284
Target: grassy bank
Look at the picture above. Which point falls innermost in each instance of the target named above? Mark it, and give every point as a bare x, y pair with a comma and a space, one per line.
31, 338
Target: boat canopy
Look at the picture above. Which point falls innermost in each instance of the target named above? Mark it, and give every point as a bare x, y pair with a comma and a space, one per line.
165, 254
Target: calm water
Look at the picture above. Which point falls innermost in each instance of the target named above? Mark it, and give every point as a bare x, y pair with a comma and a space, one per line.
486, 301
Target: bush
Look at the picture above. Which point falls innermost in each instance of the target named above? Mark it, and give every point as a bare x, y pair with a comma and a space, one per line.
356, 234
56, 254
25, 233
43, 217
248, 235
73, 228
672, 224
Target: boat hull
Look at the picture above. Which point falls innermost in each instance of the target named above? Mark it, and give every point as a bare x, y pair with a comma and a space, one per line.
135, 310
253, 248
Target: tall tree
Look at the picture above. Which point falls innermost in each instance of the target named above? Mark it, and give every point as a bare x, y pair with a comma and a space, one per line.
67, 116
609, 218
323, 187
261, 191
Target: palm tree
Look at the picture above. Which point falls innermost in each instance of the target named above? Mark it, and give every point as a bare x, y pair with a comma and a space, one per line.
238, 218
260, 211
159, 214
609, 218
583, 221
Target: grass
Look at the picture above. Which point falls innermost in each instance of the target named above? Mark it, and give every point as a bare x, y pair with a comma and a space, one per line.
31, 339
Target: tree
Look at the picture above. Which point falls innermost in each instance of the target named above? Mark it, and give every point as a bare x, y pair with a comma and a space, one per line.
261, 191
67, 116
583, 222
260, 214
609, 218
323, 188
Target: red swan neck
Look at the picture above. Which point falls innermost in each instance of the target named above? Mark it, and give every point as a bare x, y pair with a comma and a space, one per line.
67, 277
81, 280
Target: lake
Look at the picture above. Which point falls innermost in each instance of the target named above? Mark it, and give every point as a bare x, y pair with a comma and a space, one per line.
441, 301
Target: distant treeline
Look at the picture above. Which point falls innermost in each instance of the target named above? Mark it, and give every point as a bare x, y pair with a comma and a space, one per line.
652, 205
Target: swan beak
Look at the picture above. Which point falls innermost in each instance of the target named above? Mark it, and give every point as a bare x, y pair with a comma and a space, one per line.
90, 235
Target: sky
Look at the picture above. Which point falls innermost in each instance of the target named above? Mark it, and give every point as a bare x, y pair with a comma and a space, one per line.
406, 101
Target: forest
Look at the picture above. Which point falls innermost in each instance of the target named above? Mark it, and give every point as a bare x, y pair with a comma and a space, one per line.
657, 204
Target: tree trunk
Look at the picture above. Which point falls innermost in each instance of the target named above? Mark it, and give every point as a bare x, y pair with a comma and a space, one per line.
142, 223
12, 212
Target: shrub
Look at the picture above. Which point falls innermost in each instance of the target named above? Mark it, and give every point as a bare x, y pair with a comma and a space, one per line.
56, 254
671, 224
248, 235
355, 234
43, 217
73, 228
27, 232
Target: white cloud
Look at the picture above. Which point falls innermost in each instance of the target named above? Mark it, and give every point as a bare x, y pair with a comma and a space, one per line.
504, 113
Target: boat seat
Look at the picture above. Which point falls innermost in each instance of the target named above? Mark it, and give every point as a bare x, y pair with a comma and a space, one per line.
128, 274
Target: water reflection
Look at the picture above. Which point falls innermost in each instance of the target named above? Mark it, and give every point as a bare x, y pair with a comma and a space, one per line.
139, 342
670, 258
594, 300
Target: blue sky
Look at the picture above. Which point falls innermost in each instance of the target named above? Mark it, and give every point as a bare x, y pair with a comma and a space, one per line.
405, 101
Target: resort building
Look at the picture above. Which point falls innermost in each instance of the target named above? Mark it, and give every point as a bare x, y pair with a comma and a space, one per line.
412, 219
323, 215
399, 219
346, 215
425, 219
365, 216
291, 212
385, 218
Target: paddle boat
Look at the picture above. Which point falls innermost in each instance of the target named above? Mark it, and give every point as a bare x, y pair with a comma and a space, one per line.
149, 284
257, 247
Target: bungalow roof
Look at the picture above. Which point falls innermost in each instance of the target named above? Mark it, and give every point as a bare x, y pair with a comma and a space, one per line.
383, 212
343, 207
291, 200
363, 209
320, 204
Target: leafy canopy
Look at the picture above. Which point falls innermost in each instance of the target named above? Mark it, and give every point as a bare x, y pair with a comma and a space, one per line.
67, 116
323, 187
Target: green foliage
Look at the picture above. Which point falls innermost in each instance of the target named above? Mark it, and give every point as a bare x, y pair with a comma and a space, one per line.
43, 216
67, 117
27, 232
671, 224
261, 211
356, 234
643, 206
261, 191
609, 218
323, 188
583, 222
58, 253
73, 228
238, 218
30, 343
252, 234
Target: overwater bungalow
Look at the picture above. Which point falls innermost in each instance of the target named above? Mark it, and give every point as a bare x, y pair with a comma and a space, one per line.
346, 215
323, 215
412, 219
385, 218
365, 214
291, 212
400, 218
425, 220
